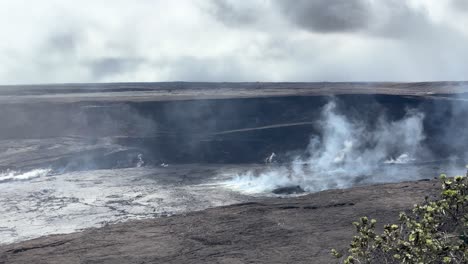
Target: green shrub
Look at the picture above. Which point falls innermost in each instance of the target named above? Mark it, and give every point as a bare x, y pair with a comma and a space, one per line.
434, 232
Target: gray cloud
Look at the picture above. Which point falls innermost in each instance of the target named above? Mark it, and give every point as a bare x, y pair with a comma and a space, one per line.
231, 14
327, 16
63, 41
461, 5
229, 40
392, 19
396, 19
200, 69
103, 67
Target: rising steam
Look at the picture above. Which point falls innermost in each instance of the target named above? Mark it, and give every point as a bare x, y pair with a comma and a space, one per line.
346, 153
11, 175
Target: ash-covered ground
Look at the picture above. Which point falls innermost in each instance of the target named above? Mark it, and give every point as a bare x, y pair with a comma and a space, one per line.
83, 156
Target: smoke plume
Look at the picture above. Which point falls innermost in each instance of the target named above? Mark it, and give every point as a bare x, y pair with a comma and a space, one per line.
346, 153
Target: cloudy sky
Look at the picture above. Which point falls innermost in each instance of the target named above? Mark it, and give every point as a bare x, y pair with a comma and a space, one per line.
56, 41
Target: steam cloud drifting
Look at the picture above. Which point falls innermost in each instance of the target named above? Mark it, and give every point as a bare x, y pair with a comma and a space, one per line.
347, 152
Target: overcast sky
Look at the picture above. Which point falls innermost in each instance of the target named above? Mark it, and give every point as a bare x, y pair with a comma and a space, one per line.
56, 41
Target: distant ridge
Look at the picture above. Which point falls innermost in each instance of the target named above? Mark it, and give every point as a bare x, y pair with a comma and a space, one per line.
168, 91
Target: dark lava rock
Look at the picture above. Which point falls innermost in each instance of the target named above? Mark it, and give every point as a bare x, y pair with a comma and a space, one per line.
288, 190
268, 230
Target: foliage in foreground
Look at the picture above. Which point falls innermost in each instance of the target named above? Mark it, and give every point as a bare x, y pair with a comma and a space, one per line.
434, 232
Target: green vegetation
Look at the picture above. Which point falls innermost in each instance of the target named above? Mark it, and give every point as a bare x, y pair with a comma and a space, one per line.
436, 231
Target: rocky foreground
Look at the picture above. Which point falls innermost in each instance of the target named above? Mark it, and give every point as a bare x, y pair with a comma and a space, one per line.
268, 230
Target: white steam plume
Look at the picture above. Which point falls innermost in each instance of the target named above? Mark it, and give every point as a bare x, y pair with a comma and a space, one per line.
23, 176
347, 153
